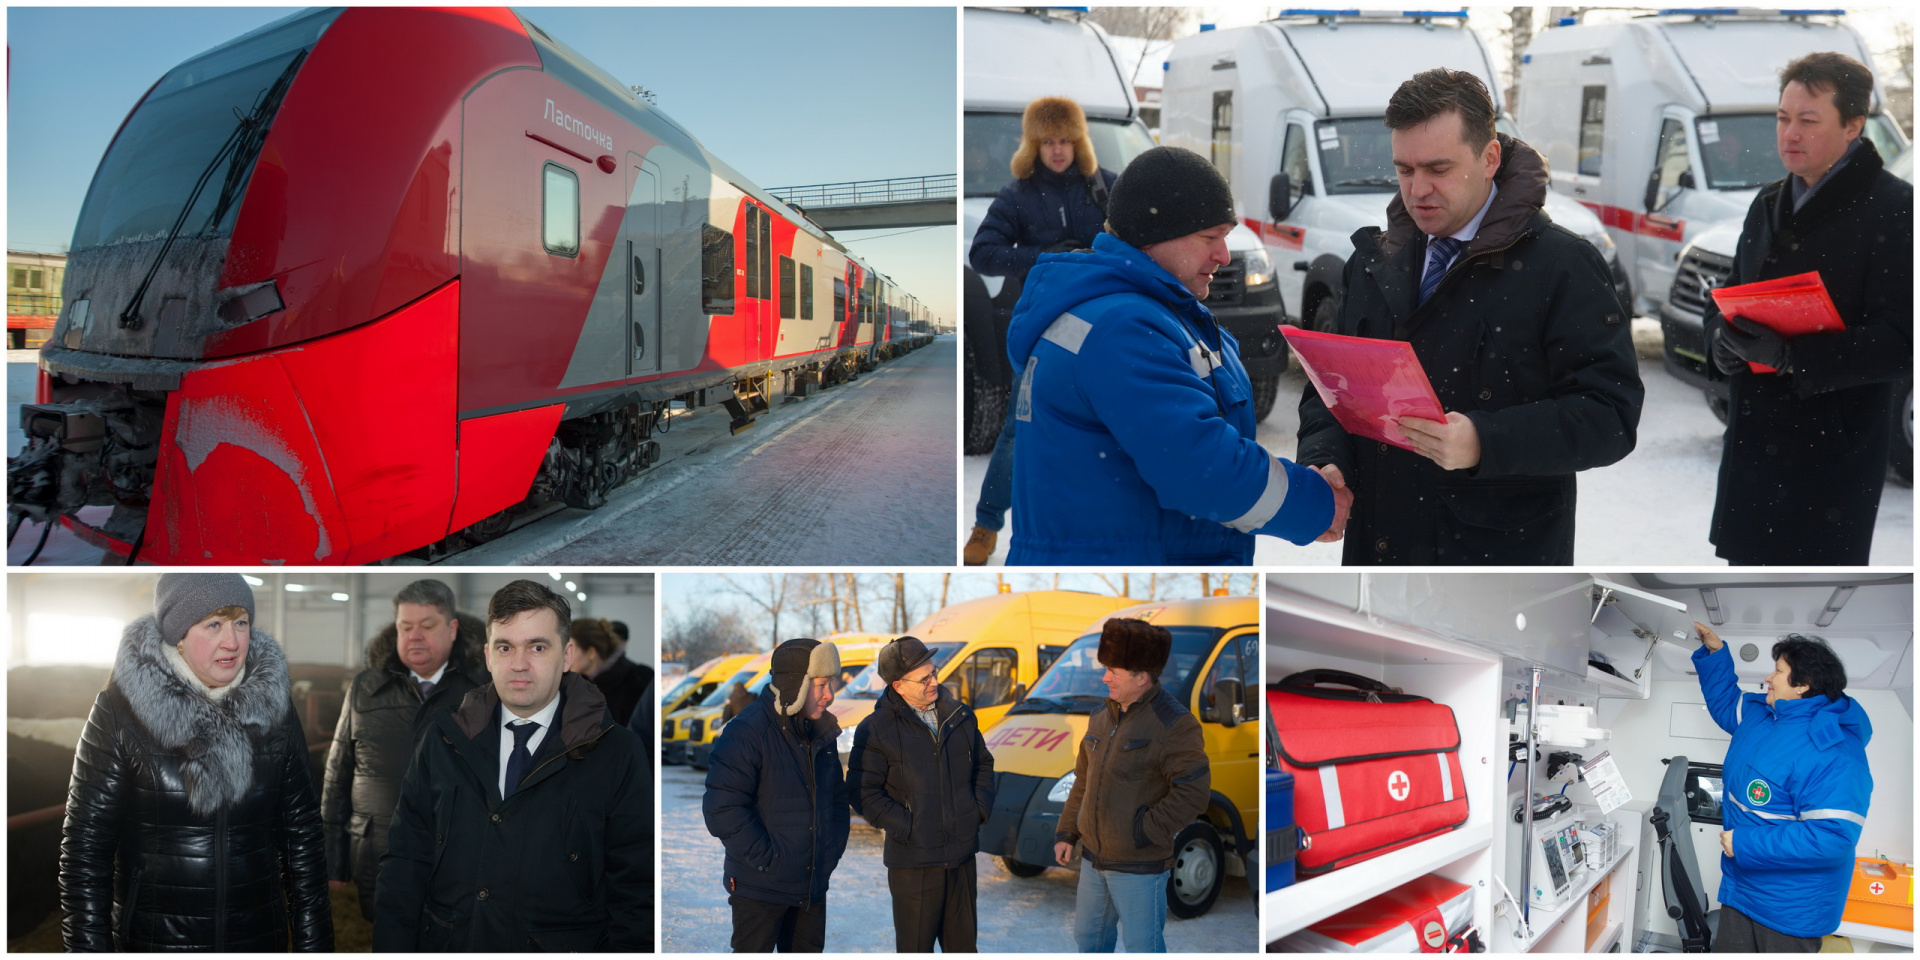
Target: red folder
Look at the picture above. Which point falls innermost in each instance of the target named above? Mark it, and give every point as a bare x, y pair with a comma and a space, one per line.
1789, 306
1367, 384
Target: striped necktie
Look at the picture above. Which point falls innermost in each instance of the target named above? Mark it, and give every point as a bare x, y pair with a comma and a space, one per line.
1440, 252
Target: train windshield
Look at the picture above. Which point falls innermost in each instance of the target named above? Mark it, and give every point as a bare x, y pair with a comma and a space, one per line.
188, 128
993, 137
1072, 684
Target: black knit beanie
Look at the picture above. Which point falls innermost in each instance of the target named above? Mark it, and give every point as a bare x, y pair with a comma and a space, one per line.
1165, 193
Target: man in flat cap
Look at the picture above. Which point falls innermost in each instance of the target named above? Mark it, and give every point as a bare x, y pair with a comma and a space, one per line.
921, 772
777, 801
1142, 775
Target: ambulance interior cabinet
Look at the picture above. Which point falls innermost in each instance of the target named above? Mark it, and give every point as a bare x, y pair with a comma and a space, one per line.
1318, 628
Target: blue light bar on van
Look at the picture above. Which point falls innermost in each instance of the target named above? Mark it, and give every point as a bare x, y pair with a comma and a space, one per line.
1747, 11
1315, 12
1206, 27
1567, 21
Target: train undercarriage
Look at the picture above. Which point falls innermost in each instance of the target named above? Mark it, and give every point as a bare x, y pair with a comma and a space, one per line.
100, 444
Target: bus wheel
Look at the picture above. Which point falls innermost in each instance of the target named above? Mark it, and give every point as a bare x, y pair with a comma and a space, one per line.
1199, 868
1020, 868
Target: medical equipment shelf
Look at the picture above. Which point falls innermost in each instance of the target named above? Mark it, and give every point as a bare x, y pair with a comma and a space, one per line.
1309, 901
1547, 922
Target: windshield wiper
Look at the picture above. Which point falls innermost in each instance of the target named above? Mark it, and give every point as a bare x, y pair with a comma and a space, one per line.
1368, 182
240, 148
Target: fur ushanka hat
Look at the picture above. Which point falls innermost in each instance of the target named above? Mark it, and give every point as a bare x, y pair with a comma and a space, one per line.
1053, 117
1136, 645
795, 663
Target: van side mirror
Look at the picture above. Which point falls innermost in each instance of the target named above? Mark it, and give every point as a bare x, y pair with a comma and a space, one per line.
1279, 197
1652, 199
1686, 179
1019, 693
1227, 694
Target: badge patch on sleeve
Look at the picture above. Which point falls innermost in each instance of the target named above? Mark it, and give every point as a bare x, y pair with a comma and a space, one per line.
1758, 793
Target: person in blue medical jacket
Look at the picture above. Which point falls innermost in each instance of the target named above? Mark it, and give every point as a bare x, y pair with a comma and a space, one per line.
1797, 788
1134, 417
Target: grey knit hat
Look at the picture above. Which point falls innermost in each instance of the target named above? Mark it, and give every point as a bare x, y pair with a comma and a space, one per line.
181, 599
1168, 192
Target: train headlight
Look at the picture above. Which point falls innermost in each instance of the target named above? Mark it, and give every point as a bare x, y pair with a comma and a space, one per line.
1259, 268
1062, 787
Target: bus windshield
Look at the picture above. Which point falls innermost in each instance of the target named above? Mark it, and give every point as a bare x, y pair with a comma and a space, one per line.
1073, 684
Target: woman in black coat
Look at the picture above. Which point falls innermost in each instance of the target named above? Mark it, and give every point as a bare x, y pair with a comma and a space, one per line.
191, 820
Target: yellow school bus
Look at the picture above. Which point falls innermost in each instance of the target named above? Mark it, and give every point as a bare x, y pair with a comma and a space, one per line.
987, 652
1214, 669
856, 651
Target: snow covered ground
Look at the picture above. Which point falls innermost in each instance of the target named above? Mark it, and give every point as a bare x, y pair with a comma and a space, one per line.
1015, 916
860, 473
1651, 509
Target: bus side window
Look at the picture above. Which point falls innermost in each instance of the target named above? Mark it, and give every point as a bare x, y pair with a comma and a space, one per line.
985, 679
560, 211
716, 270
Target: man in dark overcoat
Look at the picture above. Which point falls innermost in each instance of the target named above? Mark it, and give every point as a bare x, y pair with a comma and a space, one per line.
1805, 453
1518, 328
921, 772
525, 822
418, 669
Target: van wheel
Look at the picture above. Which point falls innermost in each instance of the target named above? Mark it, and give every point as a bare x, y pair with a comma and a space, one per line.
1902, 459
1199, 867
985, 409
1020, 868
1719, 407
1325, 315
1265, 389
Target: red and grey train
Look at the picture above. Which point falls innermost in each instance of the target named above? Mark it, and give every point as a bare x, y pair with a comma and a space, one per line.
378, 280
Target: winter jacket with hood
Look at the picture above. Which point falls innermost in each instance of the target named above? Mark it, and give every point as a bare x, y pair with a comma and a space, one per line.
1805, 454
1140, 777
1136, 426
1797, 788
1526, 337
1035, 214
563, 864
191, 820
777, 801
380, 726
930, 793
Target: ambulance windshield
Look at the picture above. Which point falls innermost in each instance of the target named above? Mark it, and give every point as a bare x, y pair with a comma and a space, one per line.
1072, 684
1738, 150
869, 686
993, 137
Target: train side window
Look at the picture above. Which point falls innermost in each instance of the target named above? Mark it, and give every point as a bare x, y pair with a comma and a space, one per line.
806, 292
786, 288
560, 211
839, 299
716, 270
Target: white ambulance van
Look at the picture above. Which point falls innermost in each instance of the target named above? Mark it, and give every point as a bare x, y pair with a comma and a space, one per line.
1014, 56
1663, 125
1292, 112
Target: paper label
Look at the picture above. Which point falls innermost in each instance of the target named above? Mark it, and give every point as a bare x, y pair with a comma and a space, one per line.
1329, 138
1602, 776
1709, 131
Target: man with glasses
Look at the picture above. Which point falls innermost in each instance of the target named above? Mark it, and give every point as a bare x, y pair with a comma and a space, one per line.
921, 772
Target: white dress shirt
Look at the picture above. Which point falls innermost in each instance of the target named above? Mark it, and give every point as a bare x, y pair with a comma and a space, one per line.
544, 718
1465, 234
437, 674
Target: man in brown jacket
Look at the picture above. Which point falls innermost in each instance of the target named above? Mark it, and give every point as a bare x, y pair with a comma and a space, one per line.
1141, 775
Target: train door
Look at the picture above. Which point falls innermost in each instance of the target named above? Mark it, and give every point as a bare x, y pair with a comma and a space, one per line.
758, 303
644, 345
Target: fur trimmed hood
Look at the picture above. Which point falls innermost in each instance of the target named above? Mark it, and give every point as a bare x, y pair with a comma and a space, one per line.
1055, 117
468, 654
217, 737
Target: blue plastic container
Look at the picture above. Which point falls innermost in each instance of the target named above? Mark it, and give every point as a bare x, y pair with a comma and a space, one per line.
1279, 825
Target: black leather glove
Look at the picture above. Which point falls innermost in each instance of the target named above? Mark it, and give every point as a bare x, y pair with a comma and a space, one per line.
1756, 344
1728, 362
1064, 246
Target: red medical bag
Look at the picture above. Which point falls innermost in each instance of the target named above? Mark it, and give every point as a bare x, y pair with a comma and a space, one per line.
1429, 914
1373, 770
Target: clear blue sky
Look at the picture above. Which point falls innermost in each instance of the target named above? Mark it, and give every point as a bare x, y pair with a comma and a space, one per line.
787, 96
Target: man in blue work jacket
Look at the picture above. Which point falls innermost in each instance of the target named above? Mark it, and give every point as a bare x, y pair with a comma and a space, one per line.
1797, 787
1134, 417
